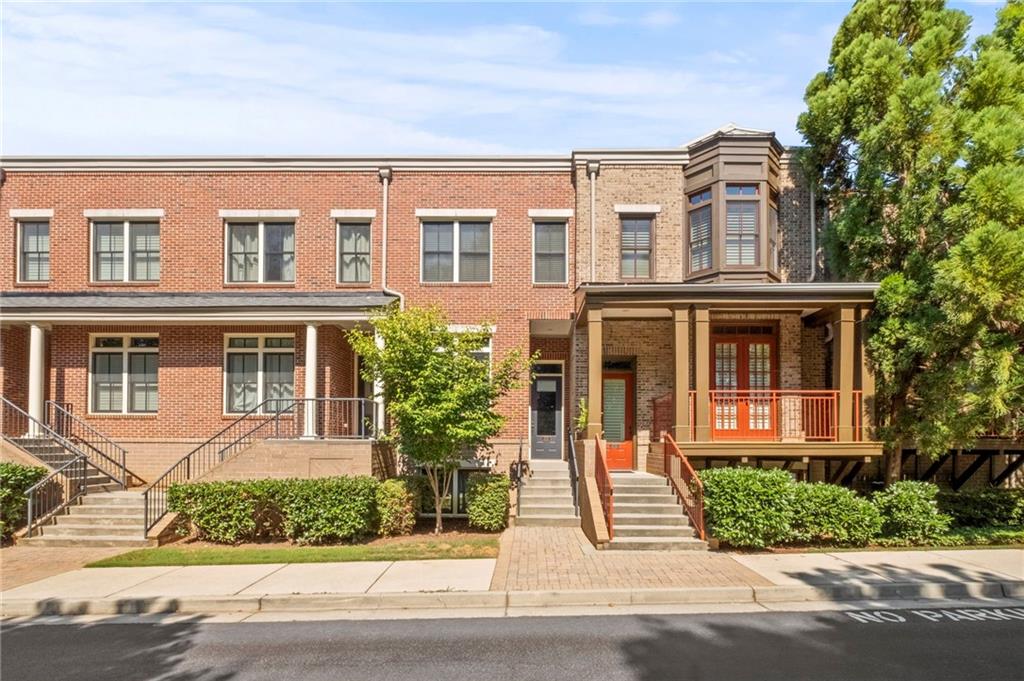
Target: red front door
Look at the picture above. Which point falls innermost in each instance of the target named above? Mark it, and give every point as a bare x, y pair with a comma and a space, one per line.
618, 418
743, 370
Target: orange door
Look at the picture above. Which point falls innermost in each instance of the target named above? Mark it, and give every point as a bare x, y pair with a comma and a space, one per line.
618, 418
743, 404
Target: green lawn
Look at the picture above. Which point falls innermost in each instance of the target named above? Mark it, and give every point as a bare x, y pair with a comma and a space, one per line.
405, 549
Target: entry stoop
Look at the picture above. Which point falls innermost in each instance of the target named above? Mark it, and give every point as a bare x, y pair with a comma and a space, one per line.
104, 519
648, 516
546, 496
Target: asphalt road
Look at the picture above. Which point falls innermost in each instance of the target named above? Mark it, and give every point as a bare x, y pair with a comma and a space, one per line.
825, 646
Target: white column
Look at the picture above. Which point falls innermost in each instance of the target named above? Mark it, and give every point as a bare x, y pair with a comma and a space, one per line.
309, 426
36, 376
378, 392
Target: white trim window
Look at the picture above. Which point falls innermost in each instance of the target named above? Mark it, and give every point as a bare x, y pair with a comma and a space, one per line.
258, 368
125, 250
259, 252
353, 252
700, 230
124, 373
550, 253
34, 251
440, 242
483, 353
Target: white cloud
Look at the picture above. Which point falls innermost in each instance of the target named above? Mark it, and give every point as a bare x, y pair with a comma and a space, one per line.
601, 16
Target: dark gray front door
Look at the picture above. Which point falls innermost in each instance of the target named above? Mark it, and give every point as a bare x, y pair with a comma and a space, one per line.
546, 417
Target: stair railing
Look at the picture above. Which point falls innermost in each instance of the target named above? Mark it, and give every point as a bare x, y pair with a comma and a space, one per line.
63, 421
58, 490
691, 491
605, 488
574, 476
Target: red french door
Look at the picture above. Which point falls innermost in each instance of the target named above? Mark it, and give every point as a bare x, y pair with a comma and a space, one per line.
619, 418
743, 371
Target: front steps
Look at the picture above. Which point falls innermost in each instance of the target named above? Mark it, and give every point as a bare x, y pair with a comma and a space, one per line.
648, 516
99, 519
54, 455
546, 496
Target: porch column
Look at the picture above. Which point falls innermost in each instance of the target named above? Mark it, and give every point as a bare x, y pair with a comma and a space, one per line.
36, 377
702, 347
595, 363
867, 380
681, 395
309, 393
842, 354
378, 394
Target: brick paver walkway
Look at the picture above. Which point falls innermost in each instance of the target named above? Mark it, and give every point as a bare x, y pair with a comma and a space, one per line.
561, 558
23, 564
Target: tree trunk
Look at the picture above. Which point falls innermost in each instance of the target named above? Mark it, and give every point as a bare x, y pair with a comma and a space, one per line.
893, 461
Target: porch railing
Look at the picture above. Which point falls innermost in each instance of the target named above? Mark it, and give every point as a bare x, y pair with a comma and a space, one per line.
329, 418
605, 488
63, 421
686, 483
55, 492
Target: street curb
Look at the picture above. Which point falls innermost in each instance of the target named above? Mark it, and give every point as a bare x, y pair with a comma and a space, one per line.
508, 600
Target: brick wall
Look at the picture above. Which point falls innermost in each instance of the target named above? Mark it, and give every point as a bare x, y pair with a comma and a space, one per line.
795, 223
14, 364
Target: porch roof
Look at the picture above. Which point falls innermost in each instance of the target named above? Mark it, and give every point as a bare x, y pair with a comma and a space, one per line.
215, 306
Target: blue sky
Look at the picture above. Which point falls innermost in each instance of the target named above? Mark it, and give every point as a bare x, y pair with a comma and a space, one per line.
346, 78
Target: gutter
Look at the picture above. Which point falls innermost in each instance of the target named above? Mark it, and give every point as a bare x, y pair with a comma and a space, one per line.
385, 178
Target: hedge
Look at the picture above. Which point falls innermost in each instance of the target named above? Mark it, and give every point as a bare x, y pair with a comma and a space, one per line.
910, 511
396, 508
750, 507
487, 503
15, 479
979, 508
831, 514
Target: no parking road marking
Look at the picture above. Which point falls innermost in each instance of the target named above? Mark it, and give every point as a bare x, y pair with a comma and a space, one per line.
938, 615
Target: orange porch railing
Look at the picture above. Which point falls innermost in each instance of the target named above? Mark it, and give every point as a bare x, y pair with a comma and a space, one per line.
691, 491
605, 488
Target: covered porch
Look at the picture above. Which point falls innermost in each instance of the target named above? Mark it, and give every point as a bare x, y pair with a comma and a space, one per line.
764, 374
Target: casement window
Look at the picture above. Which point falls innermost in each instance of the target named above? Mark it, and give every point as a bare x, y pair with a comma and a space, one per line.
257, 369
260, 252
34, 251
123, 374
741, 224
125, 250
458, 251
353, 252
550, 253
700, 230
635, 247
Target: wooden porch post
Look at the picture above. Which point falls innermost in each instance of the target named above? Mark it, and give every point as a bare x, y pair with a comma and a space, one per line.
702, 347
867, 380
843, 356
681, 394
595, 363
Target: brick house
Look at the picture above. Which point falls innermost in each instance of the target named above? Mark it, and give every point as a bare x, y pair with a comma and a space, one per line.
151, 304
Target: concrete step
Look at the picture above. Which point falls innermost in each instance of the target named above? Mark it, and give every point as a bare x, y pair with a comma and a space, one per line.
114, 498
641, 489
546, 482
108, 509
652, 530
96, 541
546, 493
657, 544
83, 530
547, 521
548, 475
648, 519
548, 465
129, 519
546, 509
663, 508
650, 497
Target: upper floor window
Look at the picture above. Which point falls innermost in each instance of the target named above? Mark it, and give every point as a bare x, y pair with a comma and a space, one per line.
773, 228
261, 252
125, 251
256, 369
700, 230
550, 258
456, 252
636, 247
34, 251
741, 224
124, 374
353, 252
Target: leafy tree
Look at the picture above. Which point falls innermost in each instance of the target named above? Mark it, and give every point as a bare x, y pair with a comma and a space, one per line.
441, 399
918, 145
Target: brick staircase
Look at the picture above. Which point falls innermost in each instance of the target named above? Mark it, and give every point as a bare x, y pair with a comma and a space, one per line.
100, 519
50, 452
648, 517
546, 496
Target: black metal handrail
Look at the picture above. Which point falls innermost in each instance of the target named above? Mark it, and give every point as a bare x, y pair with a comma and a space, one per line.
574, 476
333, 418
62, 420
55, 492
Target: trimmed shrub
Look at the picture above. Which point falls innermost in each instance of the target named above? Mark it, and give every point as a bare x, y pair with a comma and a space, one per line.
329, 509
487, 502
978, 508
910, 512
751, 507
229, 512
15, 478
395, 508
832, 514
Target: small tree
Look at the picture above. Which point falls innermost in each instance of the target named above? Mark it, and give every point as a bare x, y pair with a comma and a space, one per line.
440, 397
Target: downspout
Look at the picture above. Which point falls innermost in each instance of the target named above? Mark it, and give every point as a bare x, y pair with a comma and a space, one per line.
814, 237
593, 167
385, 178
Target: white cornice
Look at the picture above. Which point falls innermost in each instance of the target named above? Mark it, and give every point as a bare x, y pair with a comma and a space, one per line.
550, 212
123, 213
454, 213
263, 214
638, 208
31, 213
353, 213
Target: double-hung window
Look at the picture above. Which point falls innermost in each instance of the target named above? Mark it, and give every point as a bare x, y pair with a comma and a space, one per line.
741, 224
458, 251
773, 228
261, 252
125, 250
700, 230
34, 251
259, 369
354, 252
550, 260
124, 374
636, 247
